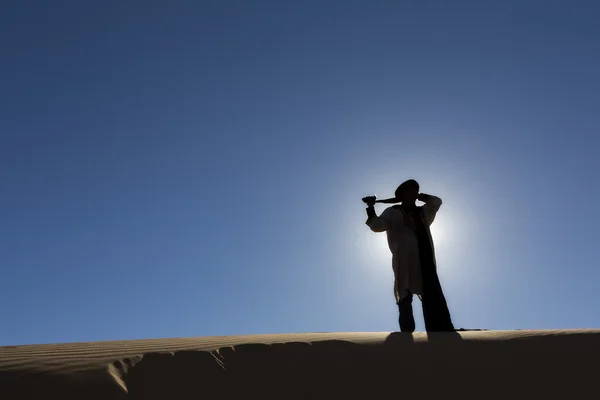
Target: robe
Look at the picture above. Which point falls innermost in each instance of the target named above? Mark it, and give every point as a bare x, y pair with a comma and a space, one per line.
413, 258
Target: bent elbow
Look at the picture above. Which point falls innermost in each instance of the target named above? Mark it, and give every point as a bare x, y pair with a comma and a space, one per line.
377, 228
377, 224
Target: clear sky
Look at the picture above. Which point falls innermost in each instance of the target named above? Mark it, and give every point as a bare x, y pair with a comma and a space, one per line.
189, 168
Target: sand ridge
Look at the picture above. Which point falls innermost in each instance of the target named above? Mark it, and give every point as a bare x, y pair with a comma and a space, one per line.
310, 365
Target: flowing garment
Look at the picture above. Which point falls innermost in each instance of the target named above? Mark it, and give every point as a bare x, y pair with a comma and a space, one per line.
413, 258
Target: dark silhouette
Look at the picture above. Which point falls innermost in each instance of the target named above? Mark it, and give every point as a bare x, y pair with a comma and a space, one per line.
413, 255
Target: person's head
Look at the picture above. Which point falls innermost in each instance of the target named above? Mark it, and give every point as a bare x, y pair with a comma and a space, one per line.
408, 191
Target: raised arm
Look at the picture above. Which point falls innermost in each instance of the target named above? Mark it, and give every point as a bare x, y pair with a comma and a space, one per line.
377, 223
431, 207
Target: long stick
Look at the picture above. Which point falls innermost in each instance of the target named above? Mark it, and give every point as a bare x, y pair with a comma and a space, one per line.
391, 200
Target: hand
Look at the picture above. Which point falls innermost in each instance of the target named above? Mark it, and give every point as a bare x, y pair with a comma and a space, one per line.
423, 197
369, 200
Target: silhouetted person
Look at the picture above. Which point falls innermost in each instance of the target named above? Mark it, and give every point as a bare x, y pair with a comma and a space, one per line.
413, 255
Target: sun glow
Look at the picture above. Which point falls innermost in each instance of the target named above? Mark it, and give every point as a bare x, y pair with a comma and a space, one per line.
377, 245
444, 232
438, 233
377, 248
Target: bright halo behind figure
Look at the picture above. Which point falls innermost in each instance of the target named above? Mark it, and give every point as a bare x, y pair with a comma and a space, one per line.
438, 232
377, 248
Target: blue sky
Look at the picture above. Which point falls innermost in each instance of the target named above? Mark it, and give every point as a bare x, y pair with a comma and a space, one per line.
190, 168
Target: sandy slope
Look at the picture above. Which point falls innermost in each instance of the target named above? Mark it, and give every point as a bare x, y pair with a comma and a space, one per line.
487, 364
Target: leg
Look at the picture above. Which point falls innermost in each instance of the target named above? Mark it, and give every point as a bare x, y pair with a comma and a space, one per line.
435, 312
406, 319
435, 309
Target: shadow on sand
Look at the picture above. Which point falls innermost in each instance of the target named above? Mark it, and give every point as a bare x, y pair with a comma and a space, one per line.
405, 338
441, 364
469, 365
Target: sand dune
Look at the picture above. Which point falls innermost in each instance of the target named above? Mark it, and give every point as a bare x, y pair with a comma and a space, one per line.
467, 365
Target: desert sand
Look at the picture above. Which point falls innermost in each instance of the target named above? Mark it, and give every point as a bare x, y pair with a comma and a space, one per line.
560, 364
